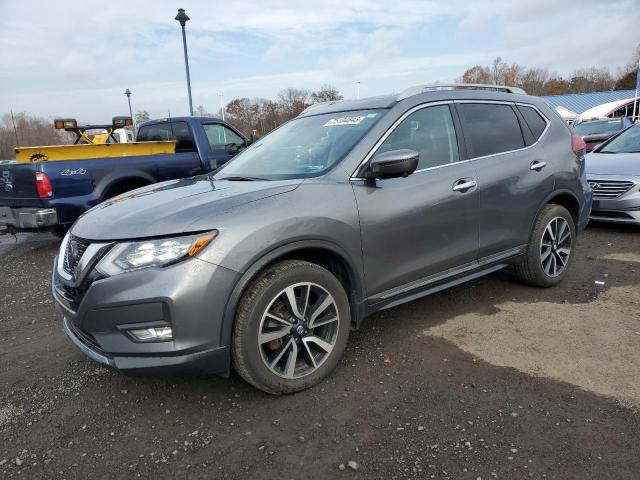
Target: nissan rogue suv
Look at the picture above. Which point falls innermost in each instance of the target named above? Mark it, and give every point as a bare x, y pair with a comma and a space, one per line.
350, 208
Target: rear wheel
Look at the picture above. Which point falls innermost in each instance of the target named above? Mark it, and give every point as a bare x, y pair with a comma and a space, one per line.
550, 248
291, 327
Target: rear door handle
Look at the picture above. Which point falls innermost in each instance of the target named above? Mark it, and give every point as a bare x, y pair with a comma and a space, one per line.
463, 185
537, 165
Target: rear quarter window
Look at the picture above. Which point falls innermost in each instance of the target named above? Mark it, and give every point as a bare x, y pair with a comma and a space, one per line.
490, 128
159, 132
534, 120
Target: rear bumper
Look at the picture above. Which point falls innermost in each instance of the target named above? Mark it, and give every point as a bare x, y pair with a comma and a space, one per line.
28, 218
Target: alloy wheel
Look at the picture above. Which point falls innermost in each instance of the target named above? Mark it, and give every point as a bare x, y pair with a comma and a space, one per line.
298, 330
555, 246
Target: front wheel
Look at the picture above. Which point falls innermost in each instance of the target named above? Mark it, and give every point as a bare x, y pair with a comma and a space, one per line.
550, 248
291, 327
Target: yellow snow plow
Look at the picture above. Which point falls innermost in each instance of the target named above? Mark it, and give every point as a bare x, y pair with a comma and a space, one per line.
92, 149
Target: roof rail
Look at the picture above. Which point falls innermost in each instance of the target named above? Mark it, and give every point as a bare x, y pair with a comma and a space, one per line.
411, 91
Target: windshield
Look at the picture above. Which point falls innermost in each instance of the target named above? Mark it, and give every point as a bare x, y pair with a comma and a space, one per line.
303, 147
599, 127
627, 142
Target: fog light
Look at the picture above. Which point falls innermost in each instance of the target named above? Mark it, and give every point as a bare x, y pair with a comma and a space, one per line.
156, 334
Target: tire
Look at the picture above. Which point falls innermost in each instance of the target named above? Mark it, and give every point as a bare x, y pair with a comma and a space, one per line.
547, 261
265, 312
61, 230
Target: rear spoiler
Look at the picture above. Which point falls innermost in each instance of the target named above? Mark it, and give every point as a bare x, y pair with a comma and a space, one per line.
71, 125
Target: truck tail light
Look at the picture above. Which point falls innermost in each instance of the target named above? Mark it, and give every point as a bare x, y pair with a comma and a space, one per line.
43, 185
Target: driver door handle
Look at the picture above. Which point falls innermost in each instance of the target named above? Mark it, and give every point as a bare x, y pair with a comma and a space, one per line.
463, 185
537, 165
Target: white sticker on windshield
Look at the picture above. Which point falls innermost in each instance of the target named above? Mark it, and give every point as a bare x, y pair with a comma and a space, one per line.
344, 121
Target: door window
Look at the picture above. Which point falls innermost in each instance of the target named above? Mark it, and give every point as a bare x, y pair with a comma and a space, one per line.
536, 123
491, 128
430, 132
221, 137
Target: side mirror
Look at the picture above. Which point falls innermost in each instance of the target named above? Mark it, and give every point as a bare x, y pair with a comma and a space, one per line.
396, 163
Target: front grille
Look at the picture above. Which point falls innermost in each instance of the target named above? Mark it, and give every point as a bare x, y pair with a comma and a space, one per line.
72, 255
609, 188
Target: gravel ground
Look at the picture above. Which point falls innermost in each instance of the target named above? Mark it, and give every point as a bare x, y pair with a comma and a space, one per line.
486, 380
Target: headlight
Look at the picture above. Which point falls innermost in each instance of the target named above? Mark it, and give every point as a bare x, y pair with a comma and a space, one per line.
160, 252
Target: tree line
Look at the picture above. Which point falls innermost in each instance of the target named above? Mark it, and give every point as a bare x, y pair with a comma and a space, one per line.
261, 115
539, 81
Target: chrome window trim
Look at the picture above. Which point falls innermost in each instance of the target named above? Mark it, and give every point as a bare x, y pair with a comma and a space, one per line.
448, 102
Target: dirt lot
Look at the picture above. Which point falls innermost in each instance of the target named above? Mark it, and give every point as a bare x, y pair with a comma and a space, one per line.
487, 380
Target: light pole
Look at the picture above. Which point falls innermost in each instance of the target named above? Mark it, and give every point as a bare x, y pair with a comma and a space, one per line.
182, 18
357, 90
127, 92
221, 105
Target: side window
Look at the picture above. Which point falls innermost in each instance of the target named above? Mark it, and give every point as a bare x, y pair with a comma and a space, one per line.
159, 132
491, 128
220, 137
536, 123
430, 132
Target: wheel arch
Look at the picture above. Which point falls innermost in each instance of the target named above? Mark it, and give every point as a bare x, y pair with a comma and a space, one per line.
564, 198
108, 183
321, 252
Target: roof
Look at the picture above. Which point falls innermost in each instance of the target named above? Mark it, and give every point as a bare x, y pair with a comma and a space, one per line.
384, 101
565, 113
388, 101
581, 102
606, 108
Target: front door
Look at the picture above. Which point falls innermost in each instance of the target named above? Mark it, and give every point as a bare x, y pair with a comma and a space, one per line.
426, 223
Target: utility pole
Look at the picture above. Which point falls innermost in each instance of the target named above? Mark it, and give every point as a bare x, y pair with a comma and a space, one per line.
182, 18
357, 90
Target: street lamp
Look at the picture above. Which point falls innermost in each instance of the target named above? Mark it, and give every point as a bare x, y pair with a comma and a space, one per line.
127, 92
182, 18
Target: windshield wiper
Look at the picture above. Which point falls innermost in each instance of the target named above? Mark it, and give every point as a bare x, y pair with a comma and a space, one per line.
243, 179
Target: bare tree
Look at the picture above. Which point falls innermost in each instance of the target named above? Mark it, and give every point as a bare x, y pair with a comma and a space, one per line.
326, 93
29, 131
293, 101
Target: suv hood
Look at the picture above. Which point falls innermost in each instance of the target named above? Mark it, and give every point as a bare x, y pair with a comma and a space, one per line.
171, 207
613, 164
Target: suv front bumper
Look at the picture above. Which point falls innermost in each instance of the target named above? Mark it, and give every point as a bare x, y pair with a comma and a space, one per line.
189, 297
26, 218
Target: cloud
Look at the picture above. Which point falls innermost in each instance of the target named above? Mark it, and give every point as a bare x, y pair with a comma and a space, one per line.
58, 58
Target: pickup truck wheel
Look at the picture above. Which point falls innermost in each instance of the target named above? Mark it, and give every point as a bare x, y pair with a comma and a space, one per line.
60, 230
550, 248
291, 327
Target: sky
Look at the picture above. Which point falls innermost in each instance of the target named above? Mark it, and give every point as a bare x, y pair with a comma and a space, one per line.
75, 59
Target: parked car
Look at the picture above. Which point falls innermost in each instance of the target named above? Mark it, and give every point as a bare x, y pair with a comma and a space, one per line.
613, 171
350, 208
52, 192
594, 132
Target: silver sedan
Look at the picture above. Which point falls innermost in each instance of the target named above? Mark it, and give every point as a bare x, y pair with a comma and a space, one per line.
613, 171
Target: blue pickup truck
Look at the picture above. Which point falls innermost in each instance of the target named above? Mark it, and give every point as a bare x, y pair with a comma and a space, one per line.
54, 194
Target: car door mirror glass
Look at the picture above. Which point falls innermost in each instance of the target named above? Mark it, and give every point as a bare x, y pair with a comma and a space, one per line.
393, 164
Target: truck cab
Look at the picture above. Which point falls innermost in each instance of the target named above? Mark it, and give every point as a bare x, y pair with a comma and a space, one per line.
50, 187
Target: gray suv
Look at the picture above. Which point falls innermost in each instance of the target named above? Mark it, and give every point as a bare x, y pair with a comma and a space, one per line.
350, 208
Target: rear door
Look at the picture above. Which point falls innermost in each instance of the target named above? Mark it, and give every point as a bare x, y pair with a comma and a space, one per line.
514, 177
185, 162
